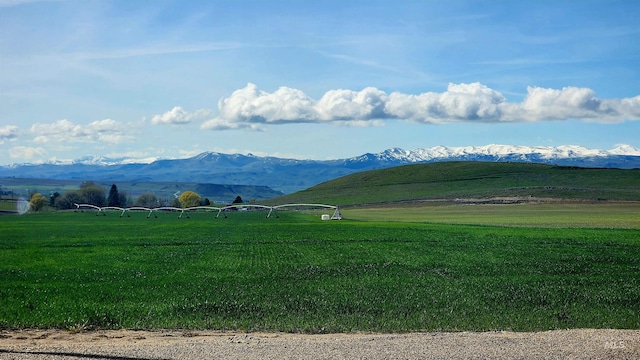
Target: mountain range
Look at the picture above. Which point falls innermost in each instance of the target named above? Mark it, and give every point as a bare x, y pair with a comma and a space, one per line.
289, 175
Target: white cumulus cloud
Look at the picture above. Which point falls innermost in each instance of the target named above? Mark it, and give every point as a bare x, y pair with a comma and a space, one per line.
463, 102
570, 102
107, 131
179, 116
8, 132
252, 108
352, 105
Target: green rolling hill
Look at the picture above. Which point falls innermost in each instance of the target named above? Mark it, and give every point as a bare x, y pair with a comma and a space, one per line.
472, 180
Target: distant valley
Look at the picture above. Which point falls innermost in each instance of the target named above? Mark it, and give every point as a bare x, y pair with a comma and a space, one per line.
165, 191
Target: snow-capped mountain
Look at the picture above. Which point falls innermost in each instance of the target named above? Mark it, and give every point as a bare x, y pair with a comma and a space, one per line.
289, 175
498, 152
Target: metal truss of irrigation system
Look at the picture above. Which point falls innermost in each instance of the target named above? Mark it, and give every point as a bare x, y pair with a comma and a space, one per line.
272, 209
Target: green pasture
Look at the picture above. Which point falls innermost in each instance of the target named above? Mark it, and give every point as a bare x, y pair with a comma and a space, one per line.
8, 206
554, 215
480, 180
297, 273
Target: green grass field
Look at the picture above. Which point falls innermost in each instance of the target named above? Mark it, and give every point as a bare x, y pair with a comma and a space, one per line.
545, 215
299, 274
8, 206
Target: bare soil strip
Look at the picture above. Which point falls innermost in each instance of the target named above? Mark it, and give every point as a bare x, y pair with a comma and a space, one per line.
129, 345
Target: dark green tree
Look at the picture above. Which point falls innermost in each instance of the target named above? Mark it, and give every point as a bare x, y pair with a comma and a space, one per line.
53, 198
238, 200
124, 199
114, 198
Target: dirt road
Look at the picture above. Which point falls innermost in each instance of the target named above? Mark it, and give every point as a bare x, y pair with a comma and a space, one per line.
129, 345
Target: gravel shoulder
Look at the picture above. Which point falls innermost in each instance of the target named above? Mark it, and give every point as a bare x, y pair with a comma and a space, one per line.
129, 345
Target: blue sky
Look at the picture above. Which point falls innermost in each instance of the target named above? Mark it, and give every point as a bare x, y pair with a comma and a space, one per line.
313, 79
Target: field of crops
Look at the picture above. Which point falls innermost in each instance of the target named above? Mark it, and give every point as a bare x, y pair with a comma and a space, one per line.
300, 274
547, 215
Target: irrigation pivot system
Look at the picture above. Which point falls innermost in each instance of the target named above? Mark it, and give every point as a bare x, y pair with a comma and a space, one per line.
220, 210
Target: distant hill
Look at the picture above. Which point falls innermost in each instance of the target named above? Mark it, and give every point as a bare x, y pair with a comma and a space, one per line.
290, 175
463, 181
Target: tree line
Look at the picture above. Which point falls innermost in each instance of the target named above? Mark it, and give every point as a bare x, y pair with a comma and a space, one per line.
93, 194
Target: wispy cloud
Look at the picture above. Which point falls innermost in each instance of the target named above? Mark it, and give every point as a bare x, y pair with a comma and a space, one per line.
530, 61
251, 108
153, 50
362, 62
106, 131
26, 152
7, 3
